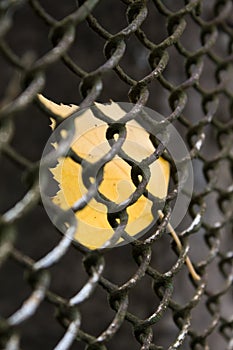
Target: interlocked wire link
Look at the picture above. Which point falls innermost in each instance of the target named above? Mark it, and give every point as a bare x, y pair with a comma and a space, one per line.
187, 68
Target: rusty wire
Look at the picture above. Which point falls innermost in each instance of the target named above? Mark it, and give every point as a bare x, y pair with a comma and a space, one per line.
198, 130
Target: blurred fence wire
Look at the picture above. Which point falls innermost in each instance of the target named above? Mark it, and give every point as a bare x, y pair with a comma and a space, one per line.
187, 68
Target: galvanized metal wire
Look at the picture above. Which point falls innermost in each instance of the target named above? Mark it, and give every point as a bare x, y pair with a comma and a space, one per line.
198, 90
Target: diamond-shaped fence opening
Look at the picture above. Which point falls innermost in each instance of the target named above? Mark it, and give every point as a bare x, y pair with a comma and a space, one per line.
175, 58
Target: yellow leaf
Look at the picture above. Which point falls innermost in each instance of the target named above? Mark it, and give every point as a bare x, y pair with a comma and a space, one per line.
90, 143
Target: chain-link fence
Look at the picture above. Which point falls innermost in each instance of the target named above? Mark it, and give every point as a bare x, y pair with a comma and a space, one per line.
176, 58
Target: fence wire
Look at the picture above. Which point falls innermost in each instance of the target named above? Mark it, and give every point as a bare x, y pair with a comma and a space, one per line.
175, 56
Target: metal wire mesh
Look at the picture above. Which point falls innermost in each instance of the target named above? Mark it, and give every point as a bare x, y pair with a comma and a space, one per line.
176, 56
